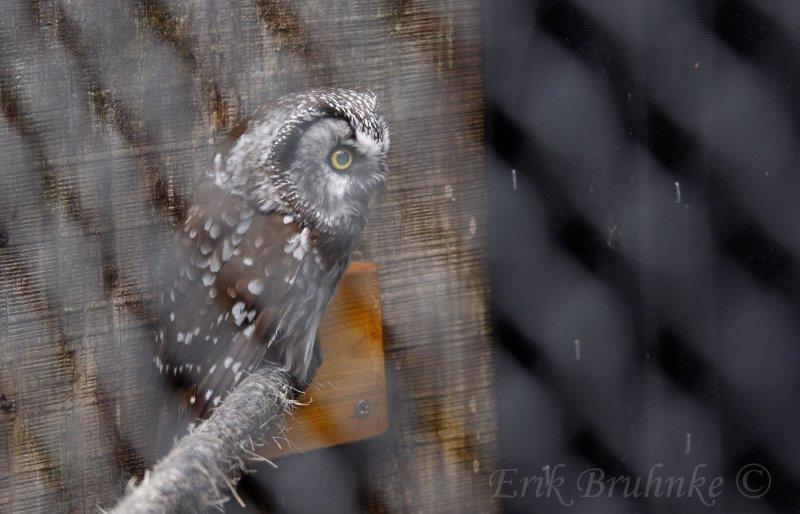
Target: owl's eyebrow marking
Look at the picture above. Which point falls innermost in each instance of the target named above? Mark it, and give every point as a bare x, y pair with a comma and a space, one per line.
350, 143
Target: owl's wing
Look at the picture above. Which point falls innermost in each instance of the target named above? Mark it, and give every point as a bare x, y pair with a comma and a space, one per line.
236, 284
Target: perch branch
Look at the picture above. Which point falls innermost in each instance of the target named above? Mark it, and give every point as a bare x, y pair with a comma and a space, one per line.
203, 468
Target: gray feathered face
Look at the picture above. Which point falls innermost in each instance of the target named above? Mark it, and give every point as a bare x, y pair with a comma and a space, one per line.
319, 156
334, 172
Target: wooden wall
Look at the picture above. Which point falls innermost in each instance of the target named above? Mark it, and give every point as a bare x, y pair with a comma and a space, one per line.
110, 109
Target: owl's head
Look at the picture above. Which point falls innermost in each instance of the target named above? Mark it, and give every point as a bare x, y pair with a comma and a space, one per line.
319, 156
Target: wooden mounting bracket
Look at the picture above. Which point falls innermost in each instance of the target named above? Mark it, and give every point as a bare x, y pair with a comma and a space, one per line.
347, 401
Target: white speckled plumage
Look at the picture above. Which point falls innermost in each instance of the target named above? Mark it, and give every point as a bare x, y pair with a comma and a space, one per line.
266, 239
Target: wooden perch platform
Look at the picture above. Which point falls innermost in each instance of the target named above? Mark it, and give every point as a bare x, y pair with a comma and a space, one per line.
347, 401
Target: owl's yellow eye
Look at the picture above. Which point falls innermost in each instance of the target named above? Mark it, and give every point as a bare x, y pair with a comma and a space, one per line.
341, 159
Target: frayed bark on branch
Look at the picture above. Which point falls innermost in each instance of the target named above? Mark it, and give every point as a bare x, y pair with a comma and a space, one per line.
204, 467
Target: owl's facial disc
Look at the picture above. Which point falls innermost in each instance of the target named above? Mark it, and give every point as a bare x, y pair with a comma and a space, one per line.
319, 155
335, 172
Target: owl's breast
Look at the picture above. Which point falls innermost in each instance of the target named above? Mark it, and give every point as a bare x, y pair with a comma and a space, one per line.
241, 287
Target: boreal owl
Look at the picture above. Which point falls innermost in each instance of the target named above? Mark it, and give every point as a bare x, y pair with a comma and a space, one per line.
265, 240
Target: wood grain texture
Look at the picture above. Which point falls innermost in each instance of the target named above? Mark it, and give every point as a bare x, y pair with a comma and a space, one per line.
109, 112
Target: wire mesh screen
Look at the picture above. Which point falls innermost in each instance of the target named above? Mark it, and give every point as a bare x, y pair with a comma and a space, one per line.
644, 249
110, 112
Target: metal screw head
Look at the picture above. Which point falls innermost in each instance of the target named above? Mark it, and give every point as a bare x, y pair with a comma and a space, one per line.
362, 408
5, 403
3, 237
